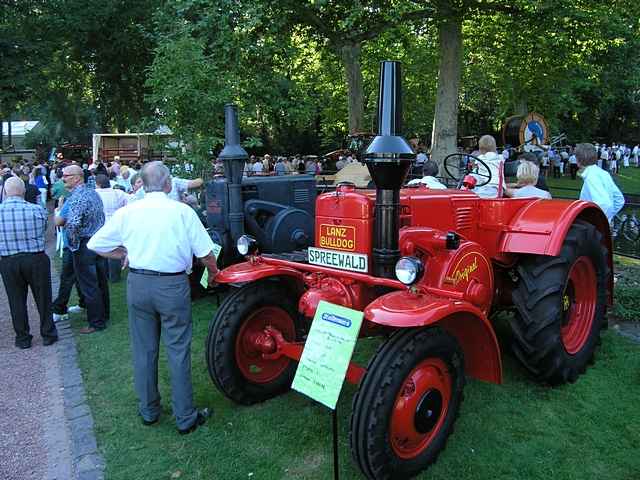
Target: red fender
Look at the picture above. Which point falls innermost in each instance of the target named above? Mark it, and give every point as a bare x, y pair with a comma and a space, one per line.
472, 329
250, 272
541, 227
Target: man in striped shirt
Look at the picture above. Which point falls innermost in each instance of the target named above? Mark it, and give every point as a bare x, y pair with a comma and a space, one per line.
24, 264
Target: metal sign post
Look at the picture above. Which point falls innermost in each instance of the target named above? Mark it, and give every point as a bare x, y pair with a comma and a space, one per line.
336, 465
325, 359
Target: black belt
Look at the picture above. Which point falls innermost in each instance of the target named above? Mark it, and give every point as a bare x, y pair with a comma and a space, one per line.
141, 271
22, 254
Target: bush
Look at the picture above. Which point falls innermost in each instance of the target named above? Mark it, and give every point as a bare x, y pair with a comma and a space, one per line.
626, 303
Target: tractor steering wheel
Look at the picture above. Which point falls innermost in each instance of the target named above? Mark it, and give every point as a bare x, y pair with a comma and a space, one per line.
459, 165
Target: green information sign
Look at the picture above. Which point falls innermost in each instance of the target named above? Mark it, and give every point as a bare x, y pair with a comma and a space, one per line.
327, 353
204, 281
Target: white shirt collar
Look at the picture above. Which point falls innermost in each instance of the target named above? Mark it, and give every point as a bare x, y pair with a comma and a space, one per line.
586, 170
155, 195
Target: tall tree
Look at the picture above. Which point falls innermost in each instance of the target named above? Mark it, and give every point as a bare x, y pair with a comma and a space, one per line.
343, 27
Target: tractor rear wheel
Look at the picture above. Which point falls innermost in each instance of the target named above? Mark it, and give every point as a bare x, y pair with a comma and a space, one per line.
236, 342
407, 403
561, 304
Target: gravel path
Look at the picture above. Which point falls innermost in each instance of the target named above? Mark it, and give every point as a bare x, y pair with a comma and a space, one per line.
47, 427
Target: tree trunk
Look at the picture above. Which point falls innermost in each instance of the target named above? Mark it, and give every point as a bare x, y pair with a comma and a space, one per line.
350, 54
444, 137
520, 106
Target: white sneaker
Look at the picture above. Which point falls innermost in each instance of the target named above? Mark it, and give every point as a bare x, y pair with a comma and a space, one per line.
75, 309
60, 317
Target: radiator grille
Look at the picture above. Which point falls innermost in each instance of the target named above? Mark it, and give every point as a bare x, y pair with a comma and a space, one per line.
463, 218
301, 195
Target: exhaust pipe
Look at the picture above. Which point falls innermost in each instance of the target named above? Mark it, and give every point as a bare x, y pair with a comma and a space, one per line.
388, 159
234, 158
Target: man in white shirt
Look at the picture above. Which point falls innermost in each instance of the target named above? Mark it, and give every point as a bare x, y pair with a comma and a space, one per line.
604, 157
159, 238
179, 187
257, 167
112, 200
598, 186
573, 165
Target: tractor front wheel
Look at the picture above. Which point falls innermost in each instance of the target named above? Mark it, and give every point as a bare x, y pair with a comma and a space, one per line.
240, 340
561, 304
407, 403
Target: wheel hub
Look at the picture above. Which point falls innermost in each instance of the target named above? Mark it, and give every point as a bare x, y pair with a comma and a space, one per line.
255, 343
579, 305
428, 411
420, 408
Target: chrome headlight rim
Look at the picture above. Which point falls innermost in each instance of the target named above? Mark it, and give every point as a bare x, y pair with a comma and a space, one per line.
409, 270
246, 245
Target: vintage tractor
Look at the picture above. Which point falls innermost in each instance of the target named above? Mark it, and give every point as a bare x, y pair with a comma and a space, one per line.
428, 268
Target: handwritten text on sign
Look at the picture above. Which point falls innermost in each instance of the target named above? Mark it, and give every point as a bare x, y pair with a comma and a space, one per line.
327, 353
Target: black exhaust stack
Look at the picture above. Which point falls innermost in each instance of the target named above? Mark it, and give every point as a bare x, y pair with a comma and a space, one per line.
234, 158
388, 159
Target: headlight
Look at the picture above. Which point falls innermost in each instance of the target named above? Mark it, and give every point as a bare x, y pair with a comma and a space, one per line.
409, 270
246, 245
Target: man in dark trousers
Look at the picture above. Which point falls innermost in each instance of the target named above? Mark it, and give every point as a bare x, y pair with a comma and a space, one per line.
24, 264
159, 237
67, 274
85, 217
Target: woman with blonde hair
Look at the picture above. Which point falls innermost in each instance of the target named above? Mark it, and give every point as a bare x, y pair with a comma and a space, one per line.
527, 176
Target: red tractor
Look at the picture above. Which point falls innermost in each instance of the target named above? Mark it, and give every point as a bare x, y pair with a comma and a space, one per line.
428, 268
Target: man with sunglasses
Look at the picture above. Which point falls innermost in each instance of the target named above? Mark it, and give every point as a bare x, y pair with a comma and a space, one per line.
85, 217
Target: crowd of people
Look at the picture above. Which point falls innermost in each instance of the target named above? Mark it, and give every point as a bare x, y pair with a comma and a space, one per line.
157, 236
279, 165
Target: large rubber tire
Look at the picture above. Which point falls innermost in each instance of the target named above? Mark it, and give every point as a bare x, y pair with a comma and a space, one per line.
407, 403
561, 305
240, 373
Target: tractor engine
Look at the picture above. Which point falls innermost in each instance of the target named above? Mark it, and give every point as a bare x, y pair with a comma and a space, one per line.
353, 231
277, 211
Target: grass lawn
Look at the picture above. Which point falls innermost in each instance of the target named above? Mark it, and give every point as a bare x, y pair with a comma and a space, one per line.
518, 430
628, 180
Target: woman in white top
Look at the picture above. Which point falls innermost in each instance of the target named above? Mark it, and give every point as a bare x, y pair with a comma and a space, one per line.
527, 176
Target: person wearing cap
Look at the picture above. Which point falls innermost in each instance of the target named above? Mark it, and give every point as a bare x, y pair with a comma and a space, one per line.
115, 165
159, 237
24, 264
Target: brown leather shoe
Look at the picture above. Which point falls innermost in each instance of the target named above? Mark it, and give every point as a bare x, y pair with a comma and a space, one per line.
87, 330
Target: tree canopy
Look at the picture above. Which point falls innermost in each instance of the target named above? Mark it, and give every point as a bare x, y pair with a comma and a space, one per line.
304, 72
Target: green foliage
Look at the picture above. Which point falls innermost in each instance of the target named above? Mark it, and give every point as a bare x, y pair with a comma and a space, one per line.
626, 302
110, 66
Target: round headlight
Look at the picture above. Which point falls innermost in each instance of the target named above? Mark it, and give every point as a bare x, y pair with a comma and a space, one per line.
246, 245
409, 270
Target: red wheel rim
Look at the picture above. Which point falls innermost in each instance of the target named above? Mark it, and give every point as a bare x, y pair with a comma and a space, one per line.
420, 408
579, 305
249, 357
